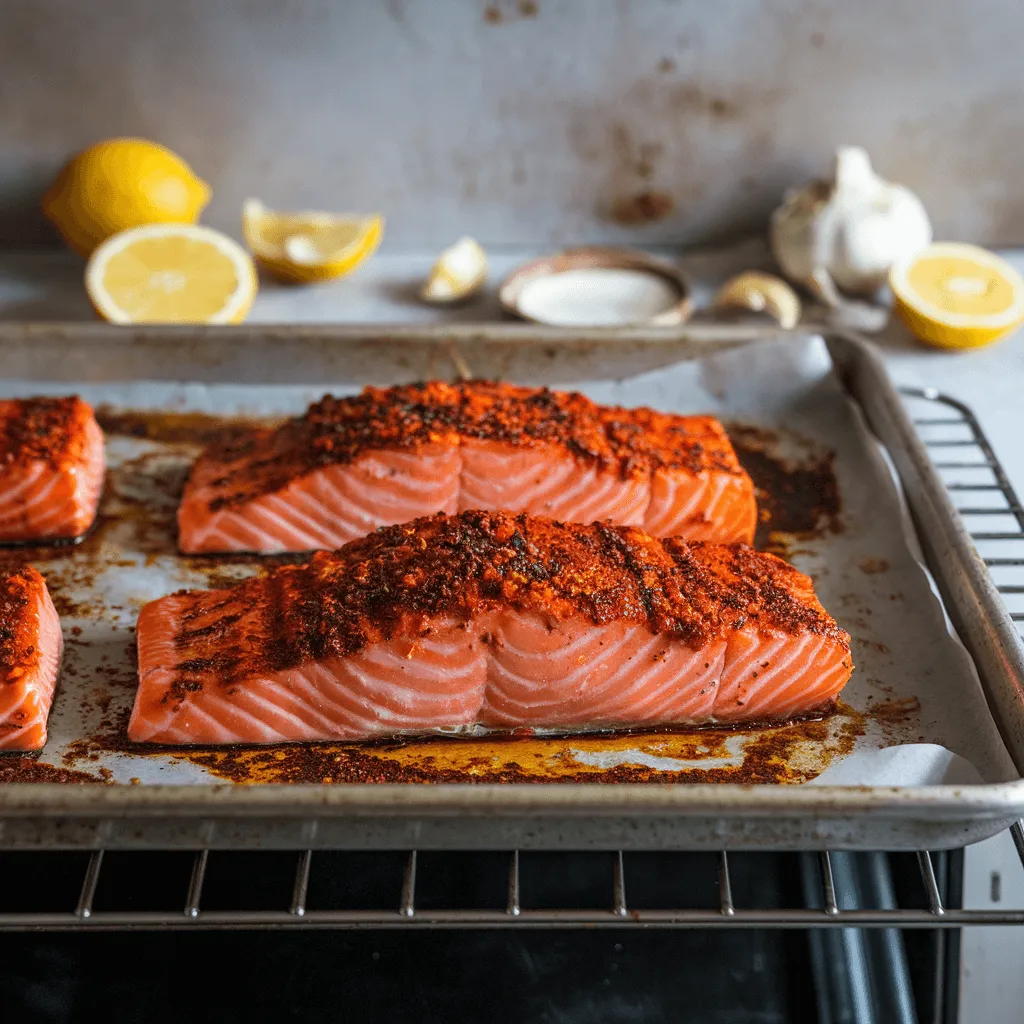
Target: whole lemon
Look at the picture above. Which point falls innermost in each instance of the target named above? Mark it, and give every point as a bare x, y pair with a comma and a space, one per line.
120, 184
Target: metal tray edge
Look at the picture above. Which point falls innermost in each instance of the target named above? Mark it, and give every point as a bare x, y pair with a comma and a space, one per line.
968, 597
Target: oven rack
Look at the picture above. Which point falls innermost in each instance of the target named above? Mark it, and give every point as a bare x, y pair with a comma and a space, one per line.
839, 876
840, 889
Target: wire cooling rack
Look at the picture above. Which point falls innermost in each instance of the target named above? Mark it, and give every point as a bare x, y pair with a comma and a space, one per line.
229, 890
980, 487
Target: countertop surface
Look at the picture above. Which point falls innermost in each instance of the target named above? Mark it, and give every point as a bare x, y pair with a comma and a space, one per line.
43, 285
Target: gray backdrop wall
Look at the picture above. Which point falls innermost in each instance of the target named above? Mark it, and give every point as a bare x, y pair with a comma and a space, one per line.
525, 121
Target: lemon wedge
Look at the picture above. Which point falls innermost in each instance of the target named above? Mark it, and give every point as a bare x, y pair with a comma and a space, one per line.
171, 273
120, 184
458, 274
958, 296
309, 246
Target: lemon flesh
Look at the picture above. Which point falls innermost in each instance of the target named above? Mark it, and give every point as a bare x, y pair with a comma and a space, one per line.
120, 184
171, 273
960, 296
309, 246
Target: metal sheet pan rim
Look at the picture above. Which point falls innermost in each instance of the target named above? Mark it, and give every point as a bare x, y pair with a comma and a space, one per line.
725, 802
299, 799
170, 335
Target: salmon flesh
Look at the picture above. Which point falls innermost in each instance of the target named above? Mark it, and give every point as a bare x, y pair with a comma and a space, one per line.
51, 469
31, 646
492, 620
390, 455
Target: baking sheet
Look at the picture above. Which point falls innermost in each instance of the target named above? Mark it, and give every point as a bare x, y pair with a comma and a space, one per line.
914, 690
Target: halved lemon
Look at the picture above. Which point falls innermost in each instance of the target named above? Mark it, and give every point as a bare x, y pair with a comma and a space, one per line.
309, 246
171, 273
956, 295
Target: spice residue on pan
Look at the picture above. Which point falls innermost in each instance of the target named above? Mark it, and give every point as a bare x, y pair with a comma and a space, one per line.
68, 569
790, 753
194, 428
796, 499
110, 735
897, 717
31, 769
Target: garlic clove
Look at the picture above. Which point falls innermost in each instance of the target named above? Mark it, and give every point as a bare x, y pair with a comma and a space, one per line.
459, 273
761, 293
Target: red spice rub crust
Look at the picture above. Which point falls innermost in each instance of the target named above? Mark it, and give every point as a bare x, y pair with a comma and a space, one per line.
18, 650
52, 429
393, 582
632, 442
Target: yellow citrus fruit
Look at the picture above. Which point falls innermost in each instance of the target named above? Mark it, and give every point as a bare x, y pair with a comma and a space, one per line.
171, 274
958, 296
120, 184
309, 246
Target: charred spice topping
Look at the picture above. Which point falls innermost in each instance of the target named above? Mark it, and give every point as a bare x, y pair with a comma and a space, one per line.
395, 581
46, 429
337, 431
18, 652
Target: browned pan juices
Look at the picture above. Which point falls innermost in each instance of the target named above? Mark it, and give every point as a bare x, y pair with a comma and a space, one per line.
769, 755
794, 751
192, 428
797, 502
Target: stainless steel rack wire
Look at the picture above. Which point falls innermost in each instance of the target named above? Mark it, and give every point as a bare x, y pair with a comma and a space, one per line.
995, 516
824, 910
979, 485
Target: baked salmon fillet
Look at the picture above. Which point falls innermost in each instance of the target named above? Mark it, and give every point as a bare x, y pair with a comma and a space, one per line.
488, 619
389, 455
51, 468
31, 646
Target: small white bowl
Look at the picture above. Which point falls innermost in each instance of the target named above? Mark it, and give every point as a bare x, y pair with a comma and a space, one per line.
674, 308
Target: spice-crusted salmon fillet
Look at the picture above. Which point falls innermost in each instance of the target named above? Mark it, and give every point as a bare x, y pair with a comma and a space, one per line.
388, 455
51, 468
31, 646
488, 619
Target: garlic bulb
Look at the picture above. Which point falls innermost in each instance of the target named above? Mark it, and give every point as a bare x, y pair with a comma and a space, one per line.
844, 235
761, 293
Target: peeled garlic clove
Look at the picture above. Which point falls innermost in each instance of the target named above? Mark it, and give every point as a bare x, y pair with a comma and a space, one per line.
458, 274
762, 293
